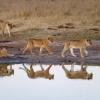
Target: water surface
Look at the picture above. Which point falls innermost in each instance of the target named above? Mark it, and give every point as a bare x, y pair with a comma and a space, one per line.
20, 87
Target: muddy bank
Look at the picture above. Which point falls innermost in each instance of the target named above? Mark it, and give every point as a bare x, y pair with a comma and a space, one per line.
15, 48
17, 42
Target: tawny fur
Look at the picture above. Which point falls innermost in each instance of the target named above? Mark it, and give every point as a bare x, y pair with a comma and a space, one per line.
76, 44
80, 74
44, 73
40, 43
6, 26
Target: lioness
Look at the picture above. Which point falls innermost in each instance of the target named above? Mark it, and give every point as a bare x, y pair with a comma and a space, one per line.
5, 25
5, 71
81, 74
42, 73
76, 44
41, 43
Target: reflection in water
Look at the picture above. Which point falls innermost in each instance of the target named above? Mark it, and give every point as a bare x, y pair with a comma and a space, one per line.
5, 71
80, 74
44, 73
20, 87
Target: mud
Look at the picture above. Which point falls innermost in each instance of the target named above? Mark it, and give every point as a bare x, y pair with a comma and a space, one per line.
16, 47
67, 31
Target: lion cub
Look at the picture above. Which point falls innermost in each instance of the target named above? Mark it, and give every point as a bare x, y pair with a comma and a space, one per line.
41, 73
41, 43
5, 25
76, 44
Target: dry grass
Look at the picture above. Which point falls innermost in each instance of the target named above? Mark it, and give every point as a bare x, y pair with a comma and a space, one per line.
30, 14
77, 11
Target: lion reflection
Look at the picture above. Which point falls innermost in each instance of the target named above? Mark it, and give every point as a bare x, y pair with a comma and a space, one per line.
44, 73
80, 74
5, 71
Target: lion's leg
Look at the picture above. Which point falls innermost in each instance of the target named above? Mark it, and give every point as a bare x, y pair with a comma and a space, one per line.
48, 49
72, 67
30, 50
86, 52
65, 69
28, 71
41, 49
31, 68
24, 50
71, 50
49, 68
27, 48
8, 29
83, 68
81, 52
41, 67
3, 29
25, 68
64, 50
